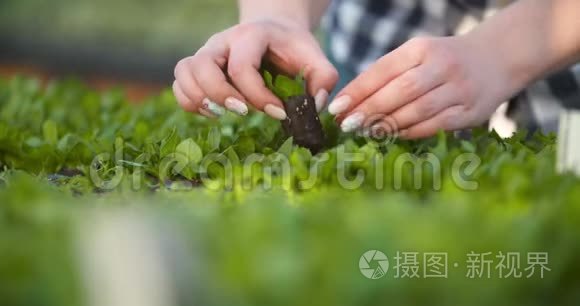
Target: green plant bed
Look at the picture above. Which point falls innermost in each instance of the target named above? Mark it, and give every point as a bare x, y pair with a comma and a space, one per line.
68, 154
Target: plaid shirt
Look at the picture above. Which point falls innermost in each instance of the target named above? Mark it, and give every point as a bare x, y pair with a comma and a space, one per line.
361, 31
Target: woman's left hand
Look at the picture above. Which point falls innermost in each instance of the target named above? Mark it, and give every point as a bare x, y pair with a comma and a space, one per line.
426, 85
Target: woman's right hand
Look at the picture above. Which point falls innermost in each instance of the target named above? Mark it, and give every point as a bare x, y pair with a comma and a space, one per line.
224, 73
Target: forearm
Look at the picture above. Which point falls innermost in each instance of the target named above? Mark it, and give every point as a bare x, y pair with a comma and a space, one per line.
304, 13
532, 38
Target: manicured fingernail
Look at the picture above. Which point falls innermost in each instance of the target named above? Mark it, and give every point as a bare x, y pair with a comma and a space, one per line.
320, 99
339, 105
352, 122
213, 107
275, 112
236, 106
207, 114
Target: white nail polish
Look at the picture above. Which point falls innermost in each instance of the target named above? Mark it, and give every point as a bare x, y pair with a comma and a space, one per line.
320, 99
207, 114
275, 112
352, 122
339, 105
236, 106
213, 107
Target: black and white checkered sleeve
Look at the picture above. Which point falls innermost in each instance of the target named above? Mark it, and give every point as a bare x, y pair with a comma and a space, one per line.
361, 31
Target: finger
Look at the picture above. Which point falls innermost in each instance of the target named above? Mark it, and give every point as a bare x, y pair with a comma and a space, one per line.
321, 79
183, 100
243, 69
388, 68
451, 119
207, 68
307, 57
302, 53
186, 104
187, 83
401, 91
188, 88
320, 74
425, 107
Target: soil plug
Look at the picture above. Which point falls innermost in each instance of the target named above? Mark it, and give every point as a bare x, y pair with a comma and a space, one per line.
303, 123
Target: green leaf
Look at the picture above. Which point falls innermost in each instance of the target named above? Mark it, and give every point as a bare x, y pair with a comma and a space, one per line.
269, 80
214, 139
246, 146
169, 143
299, 160
286, 148
289, 87
284, 87
440, 150
67, 142
190, 150
232, 156
141, 132
34, 142
468, 146
50, 132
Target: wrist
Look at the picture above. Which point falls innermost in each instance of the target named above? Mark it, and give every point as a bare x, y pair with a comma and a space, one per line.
294, 14
280, 19
528, 40
514, 66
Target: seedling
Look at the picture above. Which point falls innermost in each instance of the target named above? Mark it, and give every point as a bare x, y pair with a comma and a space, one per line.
303, 123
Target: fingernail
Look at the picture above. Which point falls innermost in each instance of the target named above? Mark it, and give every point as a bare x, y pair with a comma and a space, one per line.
275, 112
207, 114
213, 107
352, 122
340, 105
320, 99
236, 106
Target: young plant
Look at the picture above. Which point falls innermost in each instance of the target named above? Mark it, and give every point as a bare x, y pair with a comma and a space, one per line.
303, 123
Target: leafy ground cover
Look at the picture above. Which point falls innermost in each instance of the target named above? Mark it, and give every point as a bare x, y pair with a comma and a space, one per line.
276, 235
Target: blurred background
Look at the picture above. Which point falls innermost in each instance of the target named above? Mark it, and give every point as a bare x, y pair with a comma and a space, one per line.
131, 44
107, 43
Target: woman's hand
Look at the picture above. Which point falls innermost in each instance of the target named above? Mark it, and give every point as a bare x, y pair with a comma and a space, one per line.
426, 85
225, 72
